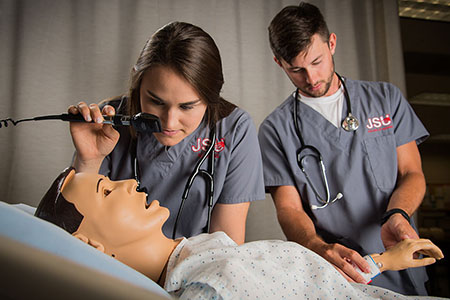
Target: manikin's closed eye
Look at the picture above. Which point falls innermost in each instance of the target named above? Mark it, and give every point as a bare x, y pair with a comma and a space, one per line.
104, 189
98, 183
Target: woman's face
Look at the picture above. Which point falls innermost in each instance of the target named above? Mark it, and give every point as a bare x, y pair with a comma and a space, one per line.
169, 96
113, 211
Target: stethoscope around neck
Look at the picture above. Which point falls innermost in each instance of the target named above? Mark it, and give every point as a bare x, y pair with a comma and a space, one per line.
350, 123
207, 174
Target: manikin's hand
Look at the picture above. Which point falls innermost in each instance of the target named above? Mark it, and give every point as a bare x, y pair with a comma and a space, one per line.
93, 142
343, 259
401, 256
395, 230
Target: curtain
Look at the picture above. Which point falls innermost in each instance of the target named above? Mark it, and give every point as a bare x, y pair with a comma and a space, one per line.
55, 53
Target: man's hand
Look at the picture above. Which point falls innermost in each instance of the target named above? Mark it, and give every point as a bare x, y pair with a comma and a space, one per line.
396, 229
342, 258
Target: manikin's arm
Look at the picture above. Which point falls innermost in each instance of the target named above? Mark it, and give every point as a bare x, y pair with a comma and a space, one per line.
298, 227
401, 257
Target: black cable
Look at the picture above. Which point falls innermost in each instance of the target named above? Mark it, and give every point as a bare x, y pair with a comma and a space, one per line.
141, 122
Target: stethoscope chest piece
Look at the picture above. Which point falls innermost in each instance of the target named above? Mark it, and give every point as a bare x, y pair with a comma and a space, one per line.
350, 123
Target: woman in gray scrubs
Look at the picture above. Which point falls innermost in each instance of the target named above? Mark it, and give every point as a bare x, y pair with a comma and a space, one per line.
177, 77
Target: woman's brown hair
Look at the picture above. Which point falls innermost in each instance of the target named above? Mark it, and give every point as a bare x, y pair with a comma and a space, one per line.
193, 54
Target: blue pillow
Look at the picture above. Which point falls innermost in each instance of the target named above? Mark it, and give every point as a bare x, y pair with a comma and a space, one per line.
37, 233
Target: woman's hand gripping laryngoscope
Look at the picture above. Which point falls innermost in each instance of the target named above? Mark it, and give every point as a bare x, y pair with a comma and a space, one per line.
93, 142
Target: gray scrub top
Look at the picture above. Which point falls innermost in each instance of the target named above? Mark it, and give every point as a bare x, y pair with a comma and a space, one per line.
164, 170
362, 165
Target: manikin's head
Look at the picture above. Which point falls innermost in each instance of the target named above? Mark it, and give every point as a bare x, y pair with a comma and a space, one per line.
115, 214
112, 217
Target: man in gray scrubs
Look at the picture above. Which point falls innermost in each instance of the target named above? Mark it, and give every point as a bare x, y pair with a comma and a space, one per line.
372, 180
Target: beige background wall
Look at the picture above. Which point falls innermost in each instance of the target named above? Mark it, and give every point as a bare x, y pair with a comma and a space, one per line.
57, 52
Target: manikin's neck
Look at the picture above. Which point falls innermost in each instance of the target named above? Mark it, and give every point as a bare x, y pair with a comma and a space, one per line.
149, 256
156, 268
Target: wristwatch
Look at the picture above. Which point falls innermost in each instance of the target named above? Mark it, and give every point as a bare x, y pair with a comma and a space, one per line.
390, 212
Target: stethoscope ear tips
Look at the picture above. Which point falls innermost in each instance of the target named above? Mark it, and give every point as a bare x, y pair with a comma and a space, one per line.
338, 196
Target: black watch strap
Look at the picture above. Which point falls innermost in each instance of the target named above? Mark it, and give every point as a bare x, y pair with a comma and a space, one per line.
390, 212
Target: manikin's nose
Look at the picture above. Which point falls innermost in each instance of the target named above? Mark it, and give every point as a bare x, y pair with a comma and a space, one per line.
130, 185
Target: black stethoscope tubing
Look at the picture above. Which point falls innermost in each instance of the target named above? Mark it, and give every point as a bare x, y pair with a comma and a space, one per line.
207, 174
350, 123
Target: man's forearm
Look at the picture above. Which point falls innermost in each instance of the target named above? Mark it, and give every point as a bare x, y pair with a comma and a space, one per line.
409, 193
295, 222
299, 228
411, 182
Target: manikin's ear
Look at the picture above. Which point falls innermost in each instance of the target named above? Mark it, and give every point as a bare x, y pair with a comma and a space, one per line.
97, 245
68, 178
277, 61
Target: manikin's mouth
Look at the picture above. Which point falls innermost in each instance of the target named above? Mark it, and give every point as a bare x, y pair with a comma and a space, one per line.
147, 205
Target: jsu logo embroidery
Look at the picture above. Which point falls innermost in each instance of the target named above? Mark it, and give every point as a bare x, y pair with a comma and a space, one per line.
203, 145
379, 123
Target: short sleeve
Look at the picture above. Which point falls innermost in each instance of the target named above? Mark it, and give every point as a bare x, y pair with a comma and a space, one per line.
276, 166
244, 176
407, 126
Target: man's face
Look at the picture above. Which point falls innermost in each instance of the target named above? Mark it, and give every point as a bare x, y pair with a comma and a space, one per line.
312, 70
113, 211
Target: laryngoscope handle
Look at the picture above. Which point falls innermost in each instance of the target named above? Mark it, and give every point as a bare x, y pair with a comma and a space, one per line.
141, 122
117, 120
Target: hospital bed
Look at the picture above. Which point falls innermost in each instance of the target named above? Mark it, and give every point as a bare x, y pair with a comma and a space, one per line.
39, 260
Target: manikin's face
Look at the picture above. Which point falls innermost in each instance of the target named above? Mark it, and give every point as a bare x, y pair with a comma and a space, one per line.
170, 97
114, 212
312, 70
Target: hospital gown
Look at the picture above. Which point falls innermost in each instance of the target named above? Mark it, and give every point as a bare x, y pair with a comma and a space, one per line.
212, 266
